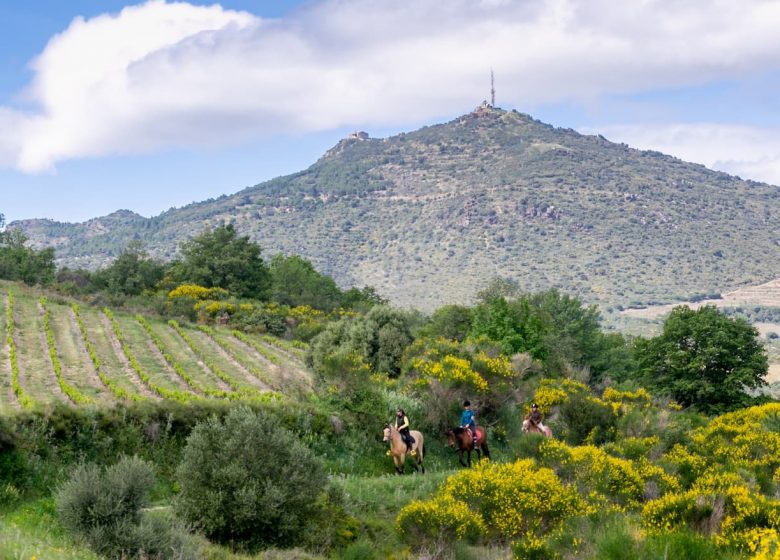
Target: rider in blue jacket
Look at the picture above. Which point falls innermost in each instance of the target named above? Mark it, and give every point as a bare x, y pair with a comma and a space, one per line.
467, 421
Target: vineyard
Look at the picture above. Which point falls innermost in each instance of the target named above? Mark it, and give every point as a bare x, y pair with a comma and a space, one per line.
82, 355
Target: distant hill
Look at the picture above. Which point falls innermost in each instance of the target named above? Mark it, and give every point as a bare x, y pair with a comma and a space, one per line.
430, 216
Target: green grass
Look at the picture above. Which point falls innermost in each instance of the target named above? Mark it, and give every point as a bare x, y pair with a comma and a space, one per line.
376, 501
33, 531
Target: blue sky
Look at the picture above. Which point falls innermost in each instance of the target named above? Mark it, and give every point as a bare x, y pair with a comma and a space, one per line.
108, 105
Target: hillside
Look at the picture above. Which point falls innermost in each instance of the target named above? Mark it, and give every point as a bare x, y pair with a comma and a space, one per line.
431, 216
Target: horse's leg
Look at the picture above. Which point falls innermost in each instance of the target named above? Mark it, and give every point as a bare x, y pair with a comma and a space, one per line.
460, 458
469, 457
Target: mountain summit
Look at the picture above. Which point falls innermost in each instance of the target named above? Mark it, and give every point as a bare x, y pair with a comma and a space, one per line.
430, 216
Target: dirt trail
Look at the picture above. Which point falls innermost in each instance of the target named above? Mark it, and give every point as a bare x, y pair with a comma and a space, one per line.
126, 367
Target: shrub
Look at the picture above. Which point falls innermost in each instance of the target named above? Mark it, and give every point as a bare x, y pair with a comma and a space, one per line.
103, 507
587, 418
248, 480
509, 501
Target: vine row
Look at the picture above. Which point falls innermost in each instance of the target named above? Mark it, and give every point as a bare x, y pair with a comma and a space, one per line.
294, 347
24, 399
116, 390
72, 392
261, 375
188, 379
273, 358
231, 381
165, 393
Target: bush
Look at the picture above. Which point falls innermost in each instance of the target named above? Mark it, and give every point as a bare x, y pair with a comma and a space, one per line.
103, 507
588, 419
248, 480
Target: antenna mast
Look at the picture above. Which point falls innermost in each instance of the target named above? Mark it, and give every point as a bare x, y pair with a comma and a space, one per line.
492, 90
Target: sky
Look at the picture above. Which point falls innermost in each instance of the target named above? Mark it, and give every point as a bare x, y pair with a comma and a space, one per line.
108, 105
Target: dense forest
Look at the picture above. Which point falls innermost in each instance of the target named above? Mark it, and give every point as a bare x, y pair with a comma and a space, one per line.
662, 447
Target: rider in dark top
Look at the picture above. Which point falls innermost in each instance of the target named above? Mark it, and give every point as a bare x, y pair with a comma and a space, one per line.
402, 425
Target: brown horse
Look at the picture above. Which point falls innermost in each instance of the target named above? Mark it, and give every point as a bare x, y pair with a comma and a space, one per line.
530, 427
461, 439
399, 450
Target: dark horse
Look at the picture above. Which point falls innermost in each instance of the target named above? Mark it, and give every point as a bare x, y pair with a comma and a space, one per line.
461, 439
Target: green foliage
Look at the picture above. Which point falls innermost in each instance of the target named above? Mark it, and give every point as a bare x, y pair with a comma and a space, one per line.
131, 273
296, 282
452, 322
514, 326
19, 262
588, 419
104, 508
704, 358
379, 338
362, 299
264, 494
221, 259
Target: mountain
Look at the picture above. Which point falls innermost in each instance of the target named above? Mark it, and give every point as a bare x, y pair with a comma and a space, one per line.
430, 216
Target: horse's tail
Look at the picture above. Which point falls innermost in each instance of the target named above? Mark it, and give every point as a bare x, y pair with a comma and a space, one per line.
485, 449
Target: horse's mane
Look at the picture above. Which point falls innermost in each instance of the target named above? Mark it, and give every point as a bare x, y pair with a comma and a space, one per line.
457, 431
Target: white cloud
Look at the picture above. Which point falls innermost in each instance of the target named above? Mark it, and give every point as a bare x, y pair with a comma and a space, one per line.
749, 152
161, 75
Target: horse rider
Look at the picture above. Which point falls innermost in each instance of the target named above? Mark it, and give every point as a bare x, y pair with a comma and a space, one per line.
535, 418
467, 421
402, 425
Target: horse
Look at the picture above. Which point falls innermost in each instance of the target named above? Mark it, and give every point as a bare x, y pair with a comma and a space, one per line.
399, 450
529, 427
461, 438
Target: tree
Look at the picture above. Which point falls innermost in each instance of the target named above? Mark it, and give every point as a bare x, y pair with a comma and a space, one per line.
249, 480
573, 336
378, 338
516, 327
704, 359
19, 262
362, 299
452, 322
296, 282
132, 272
221, 259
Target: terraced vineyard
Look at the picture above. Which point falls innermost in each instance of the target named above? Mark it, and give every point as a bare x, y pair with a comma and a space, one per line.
59, 351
